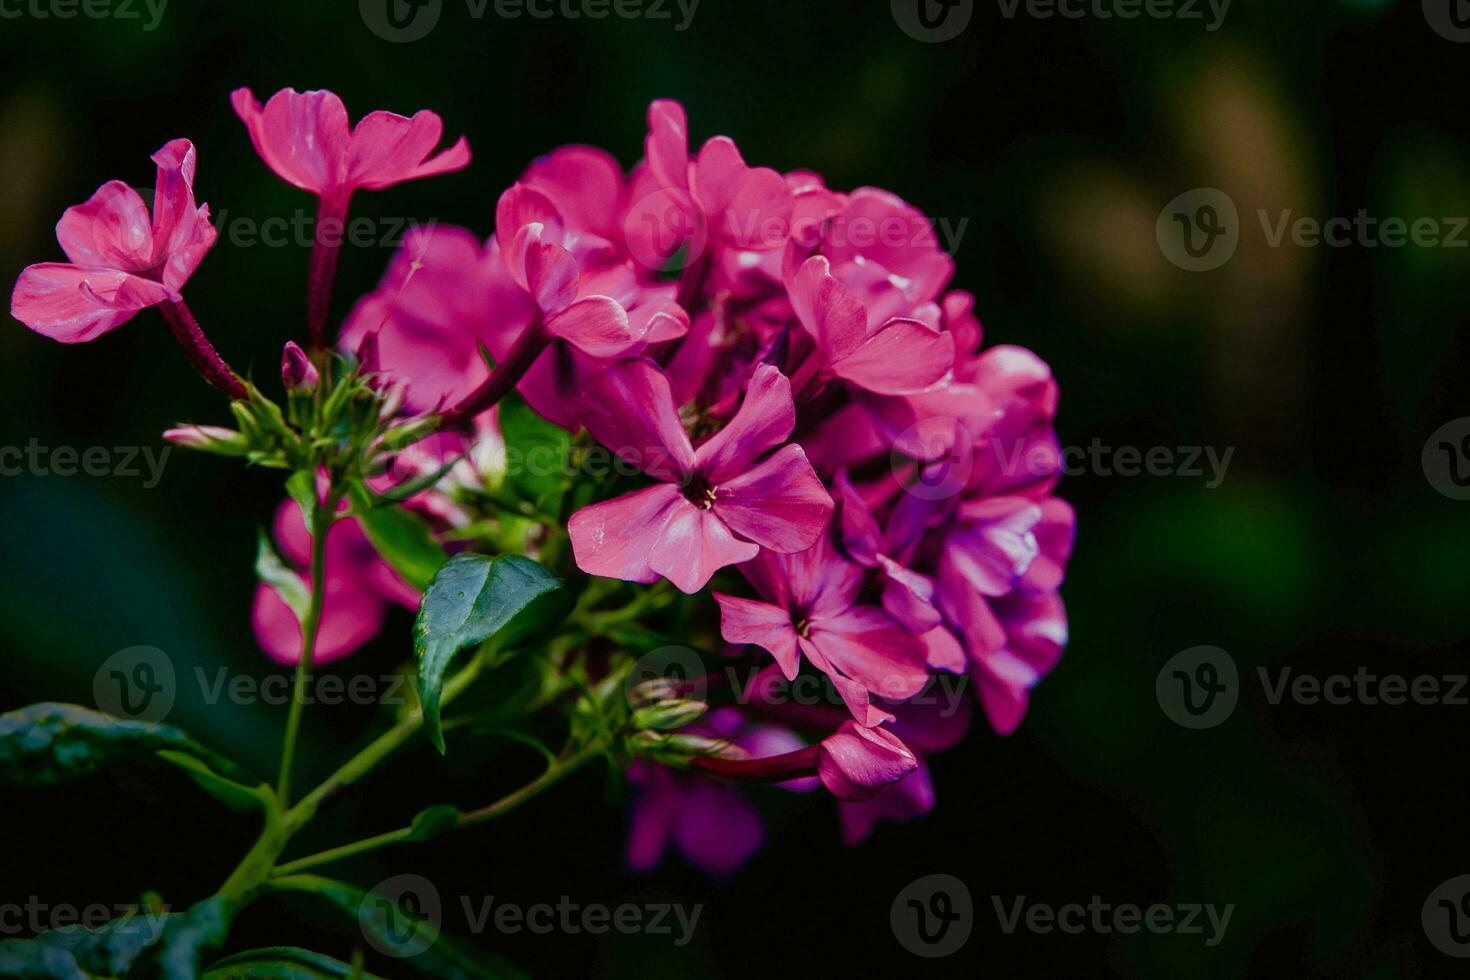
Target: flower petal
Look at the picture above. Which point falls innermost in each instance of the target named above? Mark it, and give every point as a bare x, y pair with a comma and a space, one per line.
301, 136
764, 421
695, 544
597, 325
629, 408
667, 146
903, 357
779, 504
111, 230
828, 310
760, 623
866, 645
387, 149
615, 538
75, 305
857, 761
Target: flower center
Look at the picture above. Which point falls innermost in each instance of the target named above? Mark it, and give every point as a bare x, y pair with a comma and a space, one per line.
803, 626
699, 492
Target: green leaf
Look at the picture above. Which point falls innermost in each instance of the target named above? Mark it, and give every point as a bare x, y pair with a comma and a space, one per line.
288, 585
282, 963
474, 598
227, 791
187, 937
79, 952
536, 455
301, 485
444, 955
406, 542
46, 744
433, 822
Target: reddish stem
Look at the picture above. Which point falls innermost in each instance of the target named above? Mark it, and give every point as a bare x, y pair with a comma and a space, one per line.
200, 352
506, 376
326, 246
772, 769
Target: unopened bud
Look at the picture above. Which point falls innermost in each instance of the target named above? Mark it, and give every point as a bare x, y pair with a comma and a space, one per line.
298, 374
209, 439
669, 714
676, 748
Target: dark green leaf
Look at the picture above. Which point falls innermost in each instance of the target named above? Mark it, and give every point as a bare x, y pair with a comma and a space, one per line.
187, 937
282, 963
536, 455
45, 744
302, 487
405, 541
474, 598
78, 952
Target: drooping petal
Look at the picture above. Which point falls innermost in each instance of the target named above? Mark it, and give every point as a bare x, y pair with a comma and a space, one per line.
908, 799
765, 625
597, 325
908, 597
629, 408
903, 357
693, 545
111, 230
857, 761
764, 421
614, 538
387, 149
779, 504
176, 216
301, 136
75, 305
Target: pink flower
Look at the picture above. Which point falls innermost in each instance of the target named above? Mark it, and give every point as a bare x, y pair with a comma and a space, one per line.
304, 138
715, 507
122, 258
857, 761
809, 607
360, 586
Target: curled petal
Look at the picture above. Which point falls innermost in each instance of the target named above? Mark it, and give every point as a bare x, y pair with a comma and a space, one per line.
111, 230
855, 762
387, 149
667, 146
301, 136
596, 325
75, 305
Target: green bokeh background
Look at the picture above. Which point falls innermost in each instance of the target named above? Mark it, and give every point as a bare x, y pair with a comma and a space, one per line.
1057, 142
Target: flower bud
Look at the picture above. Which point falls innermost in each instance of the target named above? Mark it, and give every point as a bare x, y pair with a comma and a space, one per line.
209, 439
669, 714
677, 748
298, 374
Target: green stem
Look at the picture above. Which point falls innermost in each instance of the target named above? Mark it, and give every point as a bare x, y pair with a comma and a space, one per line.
321, 522
553, 775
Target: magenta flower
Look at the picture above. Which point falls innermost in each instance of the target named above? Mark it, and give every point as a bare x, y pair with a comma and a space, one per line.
305, 139
359, 588
809, 608
715, 507
122, 258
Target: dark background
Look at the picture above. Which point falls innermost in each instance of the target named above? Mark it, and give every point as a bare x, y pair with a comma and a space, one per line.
1060, 141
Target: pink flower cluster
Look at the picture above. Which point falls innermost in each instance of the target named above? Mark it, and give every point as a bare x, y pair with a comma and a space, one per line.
808, 404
